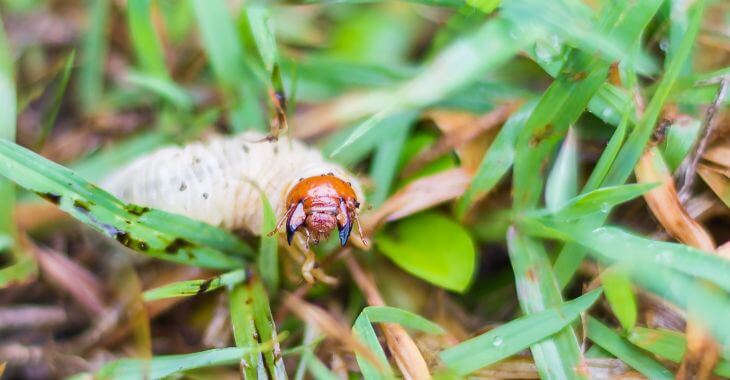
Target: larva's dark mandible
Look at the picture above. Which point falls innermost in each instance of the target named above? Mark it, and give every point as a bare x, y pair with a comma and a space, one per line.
218, 182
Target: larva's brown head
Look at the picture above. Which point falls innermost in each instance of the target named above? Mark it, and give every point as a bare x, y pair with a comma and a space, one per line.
319, 204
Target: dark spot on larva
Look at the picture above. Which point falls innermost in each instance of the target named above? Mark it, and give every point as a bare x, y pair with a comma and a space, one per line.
349, 183
53, 198
196, 160
205, 195
245, 148
205, 285
177, 245
301, 179
276, 149
330, 173
137, 209
81, 206
183, 186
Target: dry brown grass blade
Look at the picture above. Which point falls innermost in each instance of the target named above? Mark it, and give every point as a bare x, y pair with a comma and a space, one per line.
719, 155
323, 321
524, 368
462, 131
419, 195
409, 359
702, 351
72, 278
718, 182
664, 203
330, 116
30, 216
32, 316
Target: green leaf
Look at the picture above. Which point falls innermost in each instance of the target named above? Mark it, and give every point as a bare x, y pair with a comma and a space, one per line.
620, 296
562, 183
514, 336
8, 104
388, 314
497, 161
680, 137
385, 161
259, 20
499, 37
670, 345
240, 301
432, 247
152, 232
559, 356
163, 87
147, 47
166, 365
268, 259
195, 287
93, 55
629, 354
600, 200
364, 332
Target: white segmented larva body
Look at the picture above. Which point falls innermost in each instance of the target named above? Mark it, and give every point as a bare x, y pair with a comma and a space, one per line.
218, 181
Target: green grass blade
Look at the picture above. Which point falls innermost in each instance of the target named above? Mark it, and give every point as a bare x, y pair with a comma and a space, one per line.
195, 287
147, 47
631, 355
562, 183
385, 161
639, 137
670, 345
364, 332
558, 357
166, 365
266, 330
240, 300
388, 314
268, 259
600, 200
513, 337
497, 160
598, 174
620, 296
8, 104
49, 119
93, 56
499, 37
315, 366
680, 138
151, 232
162, 87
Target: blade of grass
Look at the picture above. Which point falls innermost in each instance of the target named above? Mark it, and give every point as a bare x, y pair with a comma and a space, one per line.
562, 183
152, 232
49, 118
620, 296
195, 287
147, 47
230, 66
559, 356
631, 151
631, 355
514, 336
600, 200
387, 153
166, 365
163, 87
364, 332
268, 259
389, 314
670, 345
93, 56
499, 37
8, 104
244, 330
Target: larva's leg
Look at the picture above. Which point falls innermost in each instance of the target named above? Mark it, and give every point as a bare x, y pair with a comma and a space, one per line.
308, 265
283, 219
359, 227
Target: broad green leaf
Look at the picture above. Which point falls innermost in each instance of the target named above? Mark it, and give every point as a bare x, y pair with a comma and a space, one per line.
558, 356
514, 336
603, 336
195, 287
670, 345
620, 296
152, 232
432, 247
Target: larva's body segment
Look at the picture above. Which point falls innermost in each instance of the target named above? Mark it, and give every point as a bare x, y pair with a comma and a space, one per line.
218, 181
